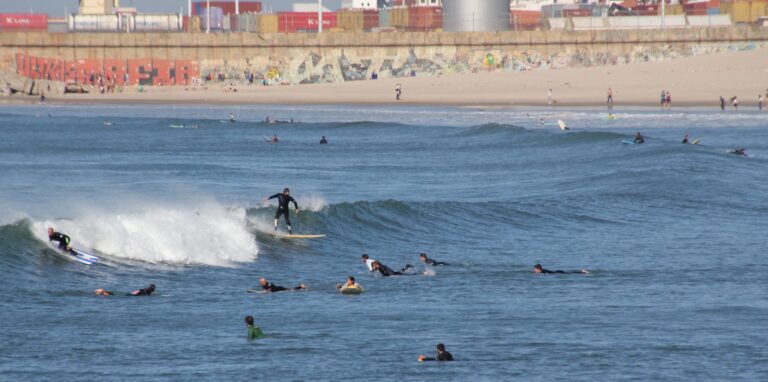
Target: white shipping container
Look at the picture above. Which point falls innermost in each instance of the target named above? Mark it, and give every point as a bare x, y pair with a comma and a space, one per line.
168, 22
94, 23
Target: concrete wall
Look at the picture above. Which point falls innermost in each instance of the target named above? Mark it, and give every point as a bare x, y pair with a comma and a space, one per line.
311, 58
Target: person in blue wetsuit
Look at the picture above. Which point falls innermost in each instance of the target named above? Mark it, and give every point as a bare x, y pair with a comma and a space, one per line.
284, 199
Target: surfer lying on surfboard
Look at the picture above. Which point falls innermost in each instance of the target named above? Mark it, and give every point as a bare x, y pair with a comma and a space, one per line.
426, 260
387, 271
284, 199
543, 271
269, 287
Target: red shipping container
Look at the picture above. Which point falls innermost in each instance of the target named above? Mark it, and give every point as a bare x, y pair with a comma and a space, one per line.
24, 21
524, 20
425, 18
577, 13
227, 6
370, 19
291, 22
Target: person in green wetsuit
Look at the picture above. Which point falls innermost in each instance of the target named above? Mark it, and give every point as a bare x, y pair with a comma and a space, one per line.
254, 331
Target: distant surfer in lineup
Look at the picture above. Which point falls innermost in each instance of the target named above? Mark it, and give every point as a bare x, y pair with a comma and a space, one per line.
60, 238
685, 139
269, 287
740, 152
538, 269
442, 355
143, 292
426, 260
231, 117
639, 139
368, 262
323, 141
283, 201
274, 138
254, 331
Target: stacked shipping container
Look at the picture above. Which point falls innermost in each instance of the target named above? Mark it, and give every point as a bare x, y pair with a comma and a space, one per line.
23, 22
227, 7
292, 22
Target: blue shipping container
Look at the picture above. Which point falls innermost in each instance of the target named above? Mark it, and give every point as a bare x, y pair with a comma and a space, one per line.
217, 18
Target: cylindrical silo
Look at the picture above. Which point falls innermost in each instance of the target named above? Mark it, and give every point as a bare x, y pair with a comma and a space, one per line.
475, 15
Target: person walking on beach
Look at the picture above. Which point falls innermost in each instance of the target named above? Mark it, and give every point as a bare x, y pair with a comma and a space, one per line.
722, 103
398, 91
663, 99
549, 97
735, 102
668, 100
760, 102
610, 98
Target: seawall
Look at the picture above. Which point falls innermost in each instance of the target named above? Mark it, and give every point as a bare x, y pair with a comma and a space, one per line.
183, 59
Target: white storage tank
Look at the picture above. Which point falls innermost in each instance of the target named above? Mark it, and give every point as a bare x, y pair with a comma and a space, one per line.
475, 15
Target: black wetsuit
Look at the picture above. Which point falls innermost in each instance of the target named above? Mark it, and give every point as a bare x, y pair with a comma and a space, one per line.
434, 263
61, 238
276, 288
639, 140
387, 271
323, 141
548, 272
444, 356
142, 292
283, 202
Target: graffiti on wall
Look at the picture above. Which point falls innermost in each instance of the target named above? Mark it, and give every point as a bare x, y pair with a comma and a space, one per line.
123, 72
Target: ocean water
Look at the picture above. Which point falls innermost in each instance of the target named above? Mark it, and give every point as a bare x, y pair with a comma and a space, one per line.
674, 237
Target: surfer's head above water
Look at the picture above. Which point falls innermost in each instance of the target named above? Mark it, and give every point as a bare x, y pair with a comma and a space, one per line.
249, 320
286, 191
537, 268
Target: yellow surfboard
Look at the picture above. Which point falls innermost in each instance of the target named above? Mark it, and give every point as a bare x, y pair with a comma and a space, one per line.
300, 236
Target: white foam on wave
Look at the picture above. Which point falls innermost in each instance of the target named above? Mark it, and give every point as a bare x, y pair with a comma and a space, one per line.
206, 233
312, 202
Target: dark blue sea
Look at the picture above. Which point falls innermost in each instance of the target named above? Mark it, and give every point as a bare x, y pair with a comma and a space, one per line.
674, 237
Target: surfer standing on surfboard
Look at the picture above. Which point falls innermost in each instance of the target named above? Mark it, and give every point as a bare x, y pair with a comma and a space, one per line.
284, 199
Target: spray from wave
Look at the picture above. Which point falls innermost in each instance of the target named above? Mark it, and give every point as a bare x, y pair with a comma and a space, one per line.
208, 233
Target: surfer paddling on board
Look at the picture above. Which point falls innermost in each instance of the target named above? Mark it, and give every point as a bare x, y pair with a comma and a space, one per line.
538, 269
269, 287
442, 355
368, 262
387, 271
639, 139
426, 260
143, 292
283, 201
60, 238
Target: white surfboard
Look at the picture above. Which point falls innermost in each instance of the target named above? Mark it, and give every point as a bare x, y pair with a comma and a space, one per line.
562, 125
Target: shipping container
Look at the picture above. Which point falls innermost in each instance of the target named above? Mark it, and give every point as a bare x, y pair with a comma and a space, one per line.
425, 18
247, 22
291, 22
58, 26
398, 18
268, 23
227, 7
94, 23
524, 20
384, 16
23, 21
194, 24
146, 22
213, 15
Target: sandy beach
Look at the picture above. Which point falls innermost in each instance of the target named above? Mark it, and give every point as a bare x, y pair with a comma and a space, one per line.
692, 81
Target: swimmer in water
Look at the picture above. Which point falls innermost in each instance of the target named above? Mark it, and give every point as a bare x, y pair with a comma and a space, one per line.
387, 271
254, 331
442, 355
